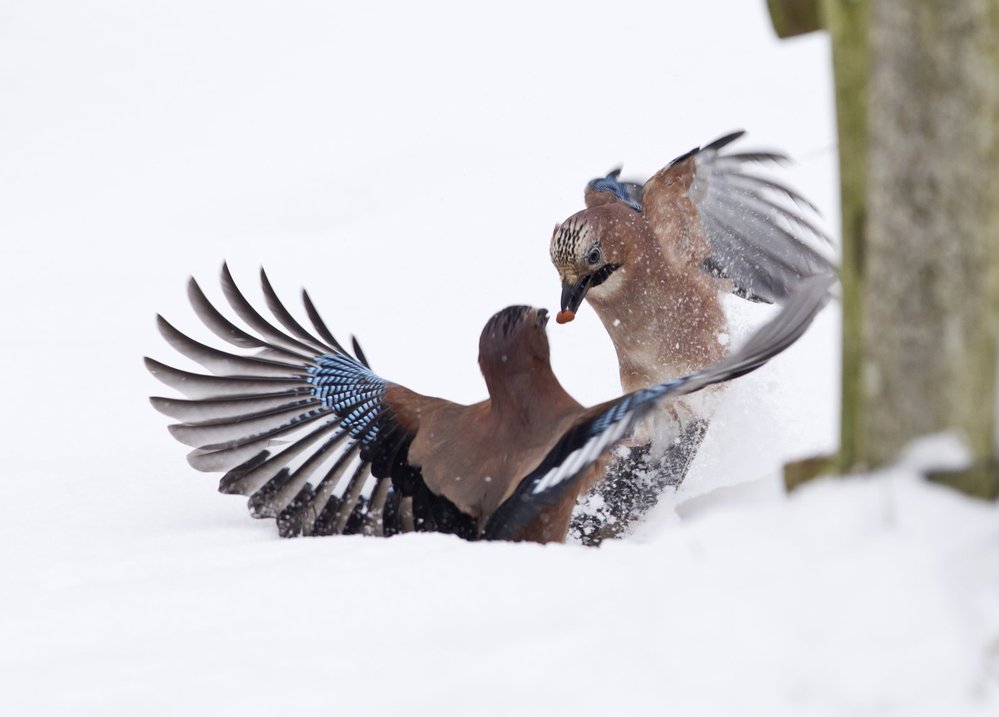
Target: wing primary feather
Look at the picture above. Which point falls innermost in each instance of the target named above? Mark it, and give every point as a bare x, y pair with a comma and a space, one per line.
769, 207
709, 150
223, 362
260, 503
392, 519
228, 331
197, 386
767, 237
359, 353
752, 158
210, 459
244, 309
778, 242
717, 271
224, 431
214, 320
229, 407
359, 521
747, 266
324, 523
374, 523
323, 495
350, 497
752, 181
269, 500
724, 140
284, 316
243, 480
685, 156
254, 462
319, 324
291, 520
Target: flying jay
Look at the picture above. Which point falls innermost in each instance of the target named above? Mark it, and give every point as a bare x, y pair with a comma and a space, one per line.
653, 259
324, 445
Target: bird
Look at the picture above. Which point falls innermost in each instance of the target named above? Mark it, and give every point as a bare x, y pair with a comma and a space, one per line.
294, 406
653, 259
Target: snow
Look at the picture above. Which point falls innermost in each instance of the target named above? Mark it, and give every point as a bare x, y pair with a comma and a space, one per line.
406, 163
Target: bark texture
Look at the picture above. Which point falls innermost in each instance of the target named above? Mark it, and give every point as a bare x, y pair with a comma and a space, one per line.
847, 22
930, 271
917, 103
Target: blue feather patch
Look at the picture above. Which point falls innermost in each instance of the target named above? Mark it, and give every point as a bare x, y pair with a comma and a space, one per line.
628, 192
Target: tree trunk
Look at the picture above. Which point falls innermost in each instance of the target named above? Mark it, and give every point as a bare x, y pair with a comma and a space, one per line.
929, 279
847, 23
917, 94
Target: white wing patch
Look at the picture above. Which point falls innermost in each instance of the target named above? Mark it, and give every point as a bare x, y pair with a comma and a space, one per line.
582, 457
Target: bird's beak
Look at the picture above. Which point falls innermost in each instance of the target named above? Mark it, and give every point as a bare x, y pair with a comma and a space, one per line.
542, 317
572, 297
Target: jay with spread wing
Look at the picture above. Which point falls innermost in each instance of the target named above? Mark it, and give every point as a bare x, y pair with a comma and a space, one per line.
653, 258
324, 445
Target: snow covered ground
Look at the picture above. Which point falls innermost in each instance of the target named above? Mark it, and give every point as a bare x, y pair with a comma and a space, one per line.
406, 163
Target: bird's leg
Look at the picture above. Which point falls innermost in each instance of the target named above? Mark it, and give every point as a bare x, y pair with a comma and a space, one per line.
632, 486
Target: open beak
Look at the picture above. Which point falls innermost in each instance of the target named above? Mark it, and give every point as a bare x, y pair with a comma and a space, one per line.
572, 297
542, 317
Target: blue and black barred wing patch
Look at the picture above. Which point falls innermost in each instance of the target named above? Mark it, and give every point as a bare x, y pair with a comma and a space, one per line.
628, 192
293, 420
561, 470
352, 391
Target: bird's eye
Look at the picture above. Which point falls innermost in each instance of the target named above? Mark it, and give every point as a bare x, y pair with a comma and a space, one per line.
594, 256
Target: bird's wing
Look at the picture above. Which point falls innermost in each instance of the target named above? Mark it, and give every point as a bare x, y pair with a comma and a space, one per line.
296, 407
715, 210
557, 475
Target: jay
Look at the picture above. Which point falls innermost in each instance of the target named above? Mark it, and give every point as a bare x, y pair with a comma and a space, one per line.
324, 445
652, 260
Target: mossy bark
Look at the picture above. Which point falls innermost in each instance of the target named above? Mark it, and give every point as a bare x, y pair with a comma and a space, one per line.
929, 289
848, 23
917, 96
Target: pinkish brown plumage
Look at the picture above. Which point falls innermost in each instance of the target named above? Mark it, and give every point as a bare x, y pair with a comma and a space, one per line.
324, 445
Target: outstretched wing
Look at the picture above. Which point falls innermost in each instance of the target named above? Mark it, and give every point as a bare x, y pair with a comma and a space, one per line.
603, 426
313, 436
713, 209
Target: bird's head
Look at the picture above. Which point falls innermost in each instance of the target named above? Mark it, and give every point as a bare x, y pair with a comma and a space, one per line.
587, 249
514, 339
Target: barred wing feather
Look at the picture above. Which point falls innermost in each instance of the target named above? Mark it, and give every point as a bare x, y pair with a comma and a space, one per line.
296, 423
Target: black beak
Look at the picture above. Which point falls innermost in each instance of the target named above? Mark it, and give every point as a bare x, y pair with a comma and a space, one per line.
572, 296
542, 317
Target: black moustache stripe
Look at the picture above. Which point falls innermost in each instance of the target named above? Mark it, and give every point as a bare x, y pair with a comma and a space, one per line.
599, 277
